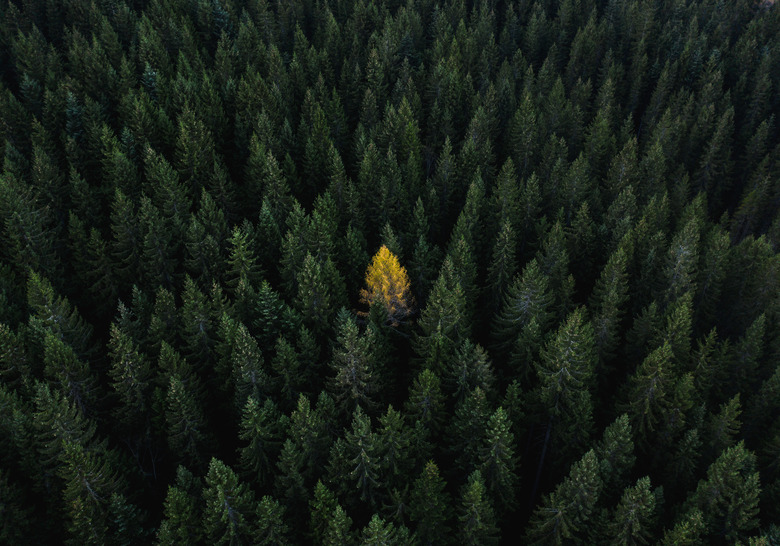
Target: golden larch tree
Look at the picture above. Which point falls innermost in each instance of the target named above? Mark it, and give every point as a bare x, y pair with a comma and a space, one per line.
388, 283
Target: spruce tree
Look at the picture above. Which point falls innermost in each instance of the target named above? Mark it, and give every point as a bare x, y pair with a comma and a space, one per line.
498, 462
632, 522
525, 315
354, 363
467, 430
429, 506
565, 373
728, 496
186, 423
564, 513
271, 528
363, 455
261, 437
476, 520
131, 379
229, 506
182, 511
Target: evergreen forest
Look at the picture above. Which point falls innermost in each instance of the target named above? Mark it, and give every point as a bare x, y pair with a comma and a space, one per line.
379, 272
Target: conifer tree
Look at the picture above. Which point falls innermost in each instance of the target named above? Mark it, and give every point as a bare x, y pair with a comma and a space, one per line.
229, 506
242, 262
164, 323
723, 426
15, 366
503, 265
321, 508
338, 531
158, 259
259, 429
270, 312
197, 324
632, 522
127, 243
320, 292
497, 461
553, 258
565, 373
354, 363
728, 496
54, 313
271, 528
290, 482
379, 532
649, 391
393, 441
506, 196
525, 315
682, 260
424, 259
429, 505
186, 423
687, 531
72, 375
182, 511
289, 378
55, 420
247, 371
441, 321
89, 482
131, 377
607, 304
467, 430
565, 512
426, 401
29, 228
476, 520
748, 351
615, 453
194, 149
388, 284
470, 369
363, 455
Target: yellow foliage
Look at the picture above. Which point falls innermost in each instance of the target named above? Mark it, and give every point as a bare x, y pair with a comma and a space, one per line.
388, 283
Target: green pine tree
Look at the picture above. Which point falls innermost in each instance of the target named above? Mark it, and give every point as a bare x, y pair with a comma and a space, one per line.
564, 514
498, 462
354, 364
633, 519
477, 522
229, 506
429, 506
728, 496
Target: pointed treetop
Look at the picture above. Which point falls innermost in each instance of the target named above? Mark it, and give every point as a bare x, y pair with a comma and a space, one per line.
388, 283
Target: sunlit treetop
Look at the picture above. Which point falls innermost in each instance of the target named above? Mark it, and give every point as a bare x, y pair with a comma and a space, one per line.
388, 283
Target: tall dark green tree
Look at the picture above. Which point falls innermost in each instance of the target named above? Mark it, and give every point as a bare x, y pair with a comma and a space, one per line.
728, 496
498, 461
441, 321
524, 317
477, 523
260, 433
354, 363
429, 505
565, 373
182, 510
131, 379
229, 506
564, 513
633, 519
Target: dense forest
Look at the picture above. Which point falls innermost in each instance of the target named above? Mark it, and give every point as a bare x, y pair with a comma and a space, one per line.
390, 272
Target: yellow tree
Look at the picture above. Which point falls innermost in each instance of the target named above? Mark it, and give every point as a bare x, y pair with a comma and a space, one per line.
388, 284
